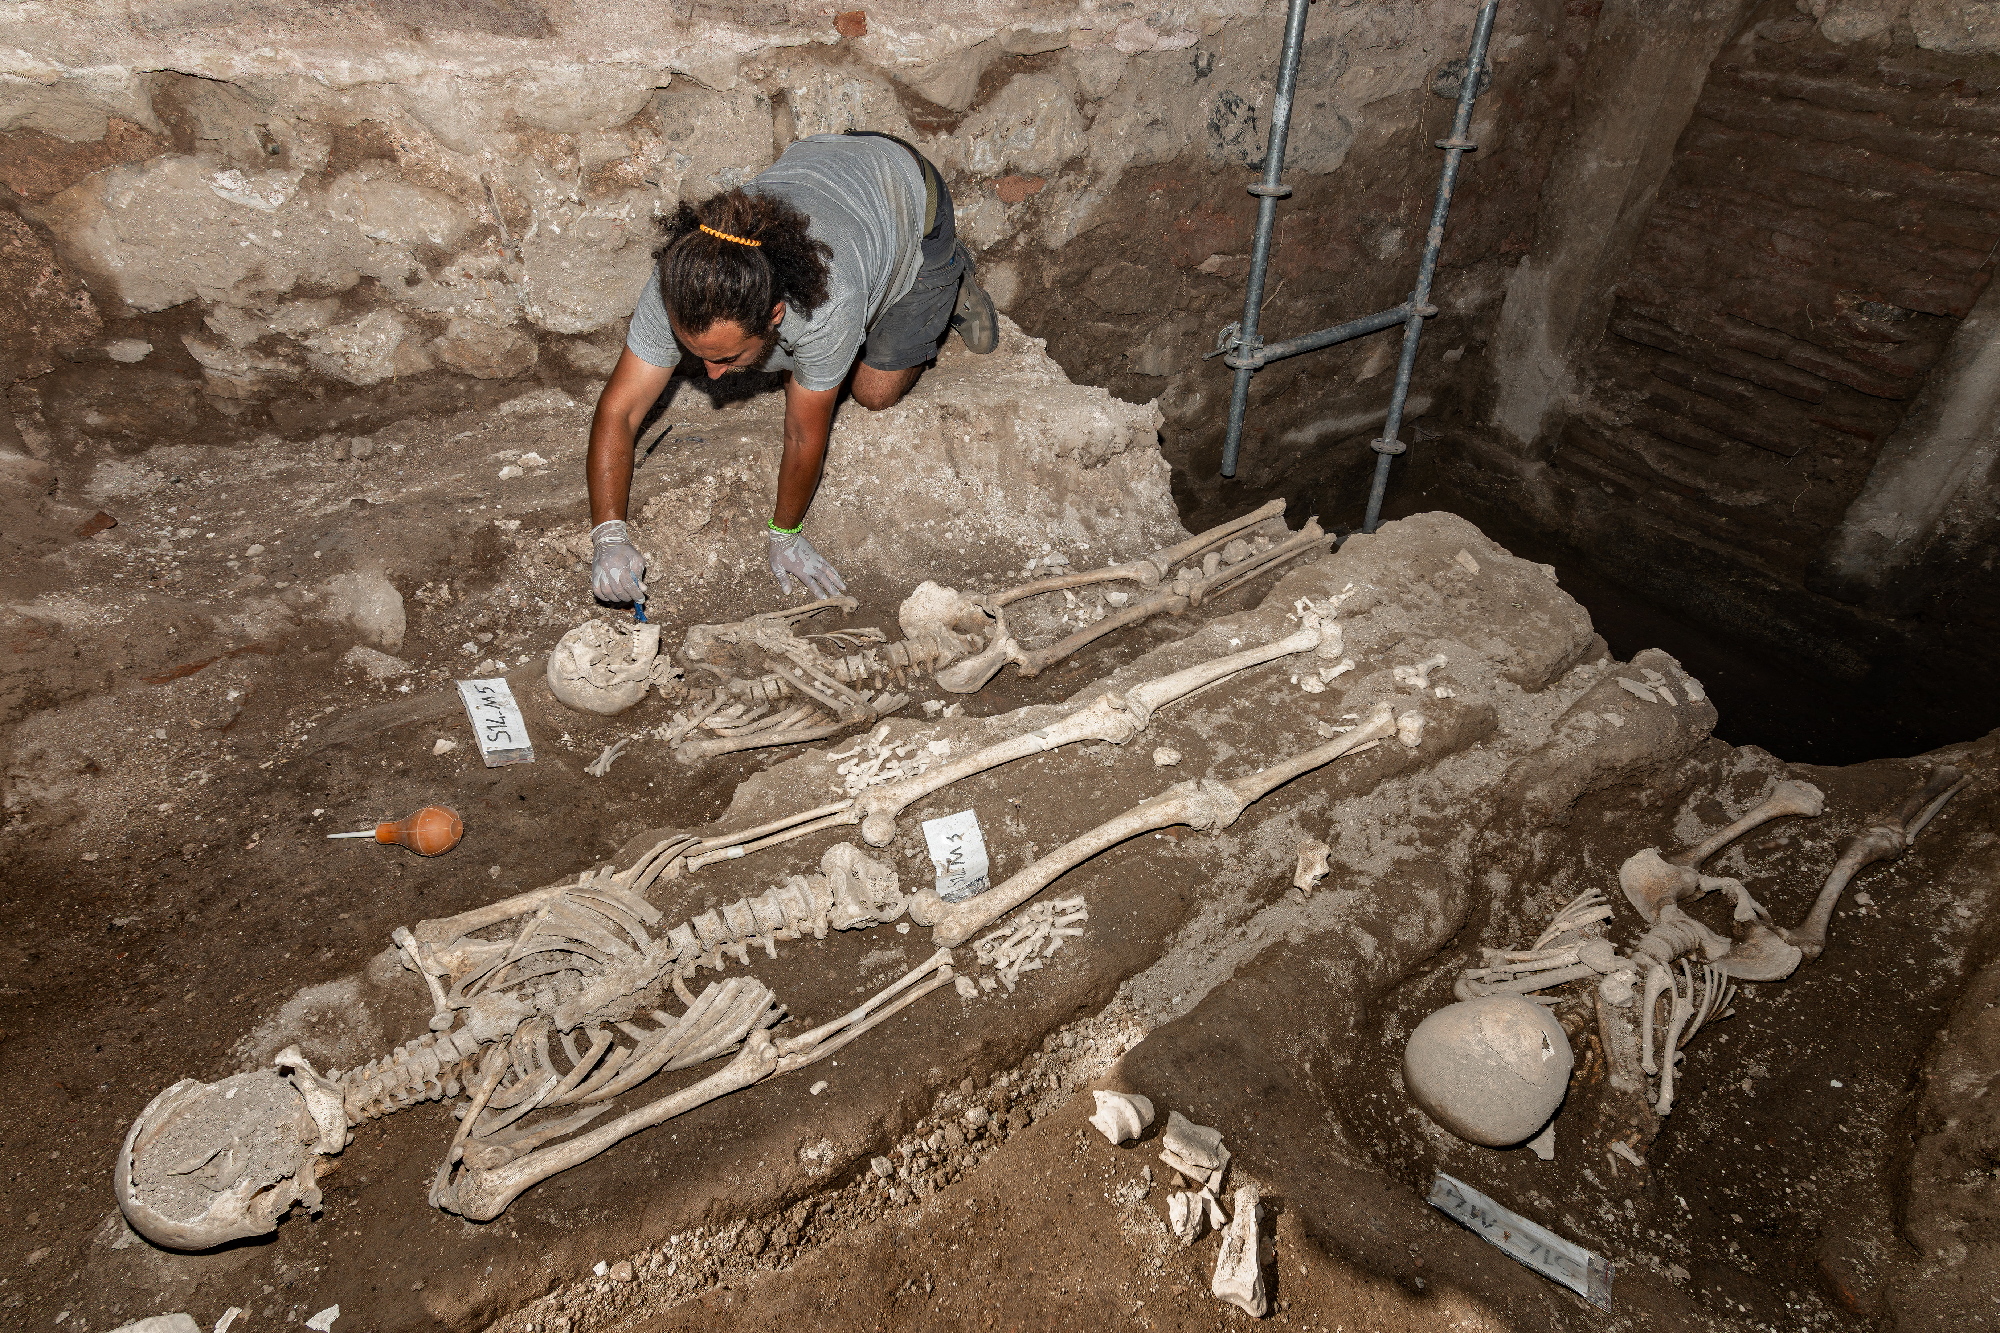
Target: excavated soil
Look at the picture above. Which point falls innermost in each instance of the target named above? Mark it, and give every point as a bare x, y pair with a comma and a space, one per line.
175, 910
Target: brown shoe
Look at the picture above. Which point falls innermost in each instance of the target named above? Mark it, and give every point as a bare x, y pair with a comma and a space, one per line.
975, 319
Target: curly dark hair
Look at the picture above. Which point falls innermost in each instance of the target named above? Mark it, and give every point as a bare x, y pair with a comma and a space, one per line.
704, 278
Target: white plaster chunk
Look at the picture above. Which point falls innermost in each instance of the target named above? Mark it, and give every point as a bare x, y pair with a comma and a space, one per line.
381, 345
1634, 688
1196, 1144
369, 604
1239, 1275
1186, 1216
161, 1323
1543, 1145
1122, 1116
374, 664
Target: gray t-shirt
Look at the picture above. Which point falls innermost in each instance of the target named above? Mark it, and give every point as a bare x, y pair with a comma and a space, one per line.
864, 197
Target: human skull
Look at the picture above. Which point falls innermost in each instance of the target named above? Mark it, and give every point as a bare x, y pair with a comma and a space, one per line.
1491, 1070
207, 1163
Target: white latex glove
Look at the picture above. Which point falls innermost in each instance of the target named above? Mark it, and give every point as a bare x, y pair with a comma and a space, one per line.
616, 566
793, 557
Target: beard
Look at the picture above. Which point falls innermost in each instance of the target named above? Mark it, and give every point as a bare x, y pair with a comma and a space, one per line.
762, 359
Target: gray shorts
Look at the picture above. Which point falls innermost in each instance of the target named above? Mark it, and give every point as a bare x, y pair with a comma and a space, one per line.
909, 332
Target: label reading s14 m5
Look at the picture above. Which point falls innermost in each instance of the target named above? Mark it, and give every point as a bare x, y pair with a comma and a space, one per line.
496, 722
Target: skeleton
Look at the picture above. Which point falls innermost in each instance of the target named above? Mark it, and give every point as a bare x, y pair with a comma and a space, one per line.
1228, 555
1111, 717
764, 684
515, 985
545, 1004
1686, 966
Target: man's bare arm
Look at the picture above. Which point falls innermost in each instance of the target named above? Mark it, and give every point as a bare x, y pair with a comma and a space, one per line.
630, 393
808, 422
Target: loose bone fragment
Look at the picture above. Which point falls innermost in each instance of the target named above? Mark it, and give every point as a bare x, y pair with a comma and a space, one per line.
1312, 864
1202, 804
1185, 1215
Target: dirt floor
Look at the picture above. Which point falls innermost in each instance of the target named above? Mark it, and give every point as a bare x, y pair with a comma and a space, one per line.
1813, 1175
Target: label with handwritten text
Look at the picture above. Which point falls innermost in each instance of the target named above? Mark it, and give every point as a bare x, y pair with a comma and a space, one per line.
1584, 1273
958, 852
496, 722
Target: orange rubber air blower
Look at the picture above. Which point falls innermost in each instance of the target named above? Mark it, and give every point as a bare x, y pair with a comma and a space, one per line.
432, 831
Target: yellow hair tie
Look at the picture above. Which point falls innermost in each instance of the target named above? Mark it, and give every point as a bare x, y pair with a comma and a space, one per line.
740, 240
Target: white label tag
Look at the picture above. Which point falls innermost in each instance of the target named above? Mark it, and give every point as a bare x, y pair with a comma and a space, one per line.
496, 722
958, 853
1539, 1248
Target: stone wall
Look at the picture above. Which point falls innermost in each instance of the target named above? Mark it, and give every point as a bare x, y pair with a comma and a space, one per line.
307, 221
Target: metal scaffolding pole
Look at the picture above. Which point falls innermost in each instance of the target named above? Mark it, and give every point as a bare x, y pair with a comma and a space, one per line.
1239, 344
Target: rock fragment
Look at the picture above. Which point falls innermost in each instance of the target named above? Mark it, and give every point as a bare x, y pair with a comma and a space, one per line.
1239, 1276
1122, 1116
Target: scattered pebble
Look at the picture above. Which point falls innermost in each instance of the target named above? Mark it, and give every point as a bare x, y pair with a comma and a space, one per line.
1165, 757
444, 746
818, 1087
